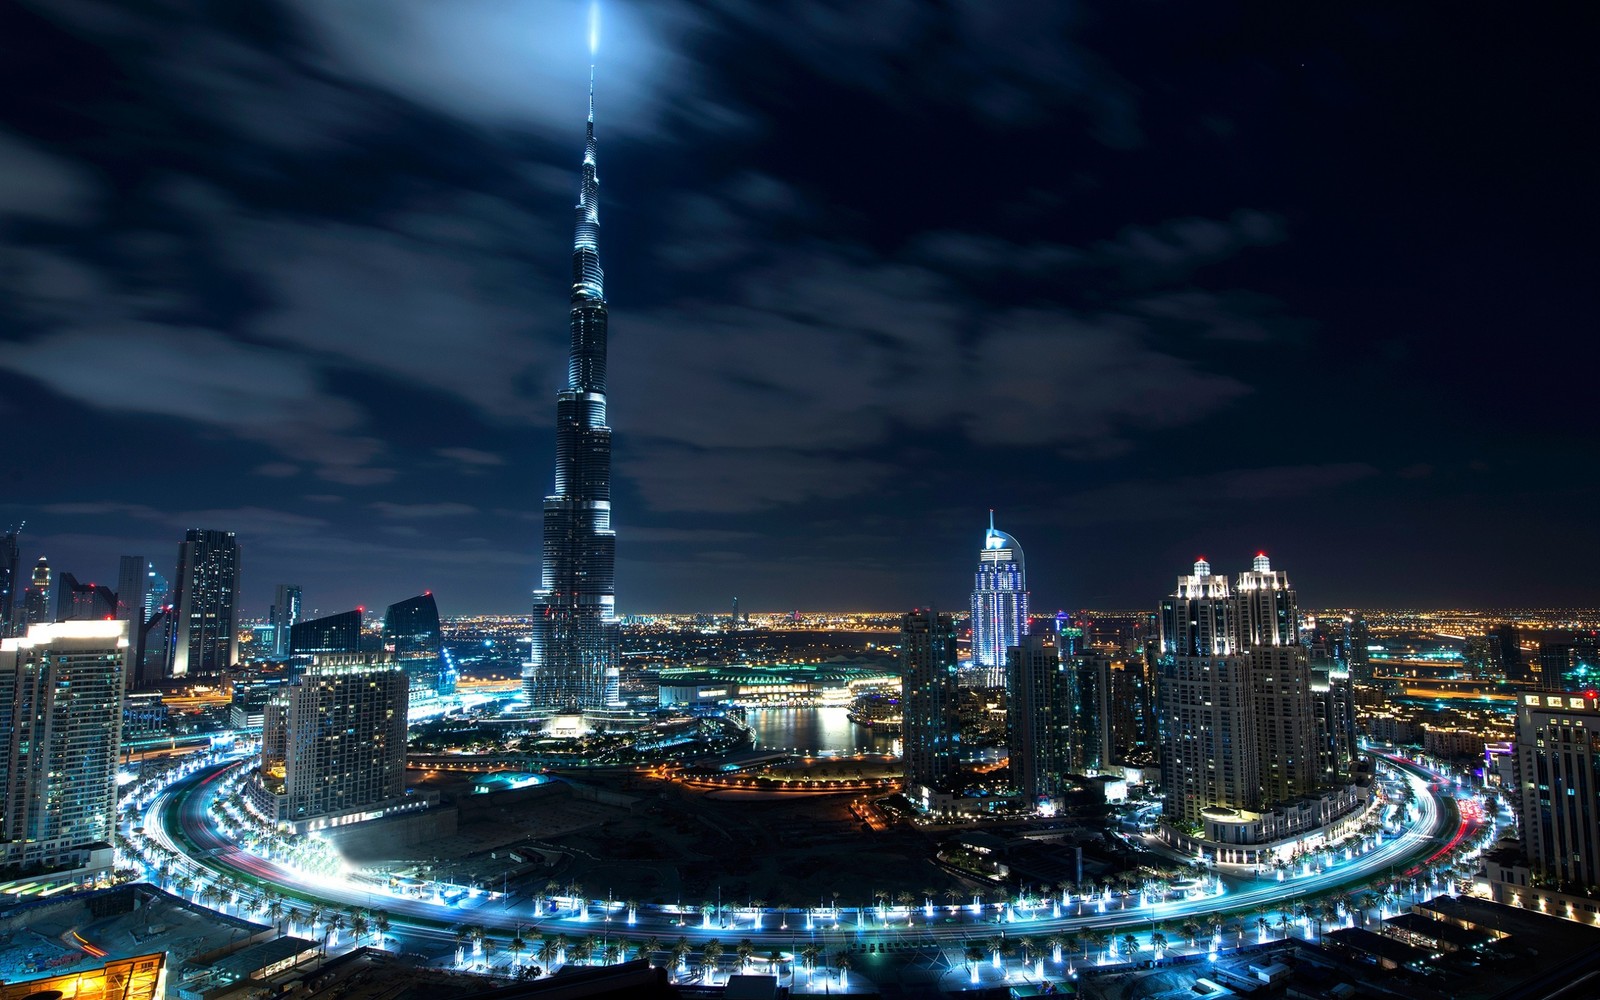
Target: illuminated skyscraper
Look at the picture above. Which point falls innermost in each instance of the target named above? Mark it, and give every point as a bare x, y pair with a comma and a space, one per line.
11, 585
333, 748
929, 700
574, 609
340, 633
83, 602
133, 584
1558, 770
1268, 623
37, 610
283, 616
1041, 700
206, 640
61, 689
999, 601
411, 632
1208, 732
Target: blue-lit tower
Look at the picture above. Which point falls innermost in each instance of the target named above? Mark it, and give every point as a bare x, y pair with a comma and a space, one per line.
999, 602
574, 609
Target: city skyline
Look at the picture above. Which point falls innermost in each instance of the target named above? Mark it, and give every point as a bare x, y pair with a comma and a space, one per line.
318, 268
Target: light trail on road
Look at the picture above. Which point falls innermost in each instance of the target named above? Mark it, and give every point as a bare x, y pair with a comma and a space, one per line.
411, 917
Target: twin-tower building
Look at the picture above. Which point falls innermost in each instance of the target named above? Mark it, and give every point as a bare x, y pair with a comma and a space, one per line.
1255, 740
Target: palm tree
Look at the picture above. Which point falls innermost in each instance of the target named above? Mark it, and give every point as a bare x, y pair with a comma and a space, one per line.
1096, 940
652, 944
380, 923
680, 951
611, 954
710, 952
1191, 931
744, 949
275, 910
547, 952
359, 924
1158, 943
808, 955
841, 961
581, 950
1027, 947
517, 946
952, 895
1055, 942
1130, 946
974, 955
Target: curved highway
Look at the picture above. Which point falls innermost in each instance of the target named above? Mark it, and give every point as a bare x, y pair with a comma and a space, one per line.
178, 818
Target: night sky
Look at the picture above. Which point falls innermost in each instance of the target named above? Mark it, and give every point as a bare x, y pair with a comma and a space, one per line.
1153, 280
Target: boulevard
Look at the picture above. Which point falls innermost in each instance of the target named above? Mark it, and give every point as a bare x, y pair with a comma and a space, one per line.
1063, 932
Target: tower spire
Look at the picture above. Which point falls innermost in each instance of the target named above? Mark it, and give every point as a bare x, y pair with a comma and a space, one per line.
588, 280
572, 666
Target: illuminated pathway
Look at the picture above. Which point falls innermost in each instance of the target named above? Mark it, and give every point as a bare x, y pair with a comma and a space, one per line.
178, 819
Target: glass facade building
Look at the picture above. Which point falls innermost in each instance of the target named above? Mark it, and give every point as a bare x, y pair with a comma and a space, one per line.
411, 632
575, 635
999, 602
340, 633
61, 691
206, 639
929, 700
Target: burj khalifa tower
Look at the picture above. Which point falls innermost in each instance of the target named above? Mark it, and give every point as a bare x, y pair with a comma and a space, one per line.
574, 663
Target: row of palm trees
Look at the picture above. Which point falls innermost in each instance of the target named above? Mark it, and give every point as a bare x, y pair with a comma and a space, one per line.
557, 949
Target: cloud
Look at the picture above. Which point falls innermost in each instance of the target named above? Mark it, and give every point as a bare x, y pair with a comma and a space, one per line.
1178, 246
199, 375
101, 508
729, 480
437, 298
402, 511
1009, 60
1195, 497
491, 62
827, 349
470, 456
39, 185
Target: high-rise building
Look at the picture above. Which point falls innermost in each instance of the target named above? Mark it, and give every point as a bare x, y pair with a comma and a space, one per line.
83, 602
340, 633
133, 591
1568, 661
930, 729
11, 585
1334, 701
1558, 770
574, 610
1357, 637
1247, 725
1131, 714
411, 632
1089, 743
1041, 703
1279, 669
37, 610
283, 616
1208, 729
334, 745
61, 690
206, 638
999, 601
1511, 658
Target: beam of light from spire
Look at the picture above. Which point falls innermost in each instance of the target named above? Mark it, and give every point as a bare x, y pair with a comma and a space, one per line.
594, 29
